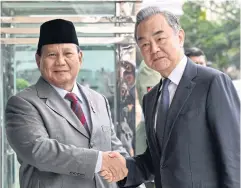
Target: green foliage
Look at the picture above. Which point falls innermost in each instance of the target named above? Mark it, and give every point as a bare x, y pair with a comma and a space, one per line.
21, 84
218, 36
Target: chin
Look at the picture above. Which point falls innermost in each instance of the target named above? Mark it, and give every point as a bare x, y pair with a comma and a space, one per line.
59, 80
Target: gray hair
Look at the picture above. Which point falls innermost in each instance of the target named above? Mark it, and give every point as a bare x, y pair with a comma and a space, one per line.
147, 12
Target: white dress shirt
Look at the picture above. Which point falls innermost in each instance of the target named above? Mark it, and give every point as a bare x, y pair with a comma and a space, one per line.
76, 91
84, 107
175, 78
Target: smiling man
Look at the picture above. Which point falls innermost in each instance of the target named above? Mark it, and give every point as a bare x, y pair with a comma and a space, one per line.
60, 130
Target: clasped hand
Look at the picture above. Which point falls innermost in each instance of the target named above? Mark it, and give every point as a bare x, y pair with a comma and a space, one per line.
113, 167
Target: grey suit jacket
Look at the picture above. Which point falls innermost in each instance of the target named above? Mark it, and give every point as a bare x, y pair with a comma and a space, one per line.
201, 146
53, 148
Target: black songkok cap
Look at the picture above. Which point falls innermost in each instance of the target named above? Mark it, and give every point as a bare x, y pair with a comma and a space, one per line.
55, 32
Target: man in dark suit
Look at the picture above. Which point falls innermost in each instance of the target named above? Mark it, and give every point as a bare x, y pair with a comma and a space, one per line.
192, 115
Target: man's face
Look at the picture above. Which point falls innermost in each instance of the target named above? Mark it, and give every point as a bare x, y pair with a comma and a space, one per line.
59, 64
129, 78
160, 45
199, 60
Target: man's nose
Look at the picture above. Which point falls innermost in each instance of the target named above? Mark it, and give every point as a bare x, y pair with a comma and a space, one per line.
154, 48
60, 60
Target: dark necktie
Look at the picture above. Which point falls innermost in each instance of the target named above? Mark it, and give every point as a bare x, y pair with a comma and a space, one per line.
163, 107
75, 106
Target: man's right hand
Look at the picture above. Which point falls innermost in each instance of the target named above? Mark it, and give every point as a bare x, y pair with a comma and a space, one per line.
113, 166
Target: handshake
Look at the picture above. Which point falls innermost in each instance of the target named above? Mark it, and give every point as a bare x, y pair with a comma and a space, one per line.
113, 167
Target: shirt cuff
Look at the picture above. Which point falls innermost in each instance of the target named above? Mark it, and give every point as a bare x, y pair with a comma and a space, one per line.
142, 117
99, 163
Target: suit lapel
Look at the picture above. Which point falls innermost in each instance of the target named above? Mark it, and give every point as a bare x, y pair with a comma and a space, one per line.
91, 108
180, 98
153, 98
57, 104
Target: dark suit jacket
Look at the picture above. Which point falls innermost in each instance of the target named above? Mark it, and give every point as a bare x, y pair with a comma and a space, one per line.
201, 147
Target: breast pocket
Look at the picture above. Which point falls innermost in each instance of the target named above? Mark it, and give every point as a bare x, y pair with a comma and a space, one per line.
106, 131
190, 113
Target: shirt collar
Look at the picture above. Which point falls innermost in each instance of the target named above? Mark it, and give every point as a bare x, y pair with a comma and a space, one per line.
63, 92
177, 73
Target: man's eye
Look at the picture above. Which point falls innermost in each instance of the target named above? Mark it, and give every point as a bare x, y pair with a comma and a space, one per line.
69, 53
160, 39
52, 54
145, 45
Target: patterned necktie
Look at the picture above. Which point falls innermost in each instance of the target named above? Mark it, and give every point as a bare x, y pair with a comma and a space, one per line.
75, 106
163, 107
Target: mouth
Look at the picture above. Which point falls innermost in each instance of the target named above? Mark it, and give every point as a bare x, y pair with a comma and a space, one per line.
60, 71
156, 59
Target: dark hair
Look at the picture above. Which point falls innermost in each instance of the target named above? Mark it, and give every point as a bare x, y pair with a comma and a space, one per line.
194, 52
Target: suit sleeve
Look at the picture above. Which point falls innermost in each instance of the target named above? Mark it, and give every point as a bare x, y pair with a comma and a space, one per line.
140, 168
28, 137
223, 110
116, 144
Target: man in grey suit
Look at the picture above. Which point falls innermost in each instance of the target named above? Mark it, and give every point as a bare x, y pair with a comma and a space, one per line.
61, 131
192, 115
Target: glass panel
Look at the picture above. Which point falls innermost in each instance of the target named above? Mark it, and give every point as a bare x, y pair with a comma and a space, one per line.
58, 8
126, 94
1, 119
98, 72
9, 161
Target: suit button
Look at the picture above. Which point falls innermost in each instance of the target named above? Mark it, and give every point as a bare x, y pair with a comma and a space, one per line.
163, 166
91, 144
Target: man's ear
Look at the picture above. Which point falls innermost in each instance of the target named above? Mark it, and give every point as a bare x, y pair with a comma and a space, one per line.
80, 57
181, 36
37, 59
